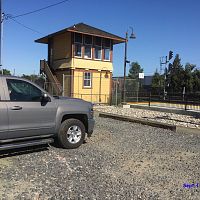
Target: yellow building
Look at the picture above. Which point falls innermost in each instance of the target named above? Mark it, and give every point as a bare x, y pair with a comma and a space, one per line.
80, 62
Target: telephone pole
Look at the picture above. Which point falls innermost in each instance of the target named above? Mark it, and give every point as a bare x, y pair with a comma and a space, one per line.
1, 20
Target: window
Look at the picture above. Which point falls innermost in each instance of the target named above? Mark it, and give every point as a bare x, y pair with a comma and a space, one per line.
87, 82
88, 39
106, 45
98, 41
78, 38
98, 53
88, 51
107, 42
77, 50
23, 91
106, 53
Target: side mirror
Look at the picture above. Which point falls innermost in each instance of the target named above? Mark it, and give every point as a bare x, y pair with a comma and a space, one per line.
45, 98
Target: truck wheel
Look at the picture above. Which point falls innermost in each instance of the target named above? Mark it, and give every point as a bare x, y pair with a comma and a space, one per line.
71, 134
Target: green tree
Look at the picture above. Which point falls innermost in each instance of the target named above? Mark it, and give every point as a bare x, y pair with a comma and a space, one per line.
6, 72
189, 77
157, 82
196, 81
31, 77
38, 79
134, 70
132, 83
175, 76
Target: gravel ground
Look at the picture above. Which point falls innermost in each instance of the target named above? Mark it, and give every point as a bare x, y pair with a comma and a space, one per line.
121, 161
169, 118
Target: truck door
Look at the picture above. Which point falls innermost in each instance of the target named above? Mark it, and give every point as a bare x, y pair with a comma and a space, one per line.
27, 116
3, 114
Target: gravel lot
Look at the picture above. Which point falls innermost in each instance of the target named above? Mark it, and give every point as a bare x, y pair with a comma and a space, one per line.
169, 118
121, 161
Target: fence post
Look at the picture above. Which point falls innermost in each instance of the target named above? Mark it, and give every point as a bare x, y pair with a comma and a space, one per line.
63, 93
149, 99
116, 93
91, 94
185, 102
138, 85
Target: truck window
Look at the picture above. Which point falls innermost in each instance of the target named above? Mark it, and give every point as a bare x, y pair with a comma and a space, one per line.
23, 91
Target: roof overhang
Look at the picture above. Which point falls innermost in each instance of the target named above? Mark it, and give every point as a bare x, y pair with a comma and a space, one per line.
116, 39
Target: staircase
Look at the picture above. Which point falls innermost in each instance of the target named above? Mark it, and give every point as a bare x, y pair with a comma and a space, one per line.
44, 68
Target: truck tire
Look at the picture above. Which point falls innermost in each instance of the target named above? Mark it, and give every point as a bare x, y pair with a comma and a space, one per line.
71, 134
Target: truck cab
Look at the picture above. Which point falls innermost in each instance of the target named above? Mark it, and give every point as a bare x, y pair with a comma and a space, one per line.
28, 114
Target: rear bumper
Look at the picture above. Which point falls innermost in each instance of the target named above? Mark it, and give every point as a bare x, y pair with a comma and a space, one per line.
91, 123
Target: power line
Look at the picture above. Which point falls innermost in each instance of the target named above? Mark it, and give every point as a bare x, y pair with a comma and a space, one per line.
25, 26
38, 10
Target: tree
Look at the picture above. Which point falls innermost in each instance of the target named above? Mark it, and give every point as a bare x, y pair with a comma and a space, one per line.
134, 70
6, 72
38, 79
189, 77
175, 76
196, 81
157, 82
132, 84
31, 77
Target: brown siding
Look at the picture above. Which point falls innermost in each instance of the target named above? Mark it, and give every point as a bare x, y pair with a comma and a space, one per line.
61, 49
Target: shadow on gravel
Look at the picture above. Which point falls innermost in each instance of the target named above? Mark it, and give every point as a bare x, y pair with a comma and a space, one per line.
22, 151
57, 146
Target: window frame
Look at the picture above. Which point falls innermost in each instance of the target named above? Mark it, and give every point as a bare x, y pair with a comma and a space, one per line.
78, 43
90, 51
75, 38
97, 46
107, 47
105, 54
95, 53
75, 50
85, 41
95, 41
104, 43
84, 86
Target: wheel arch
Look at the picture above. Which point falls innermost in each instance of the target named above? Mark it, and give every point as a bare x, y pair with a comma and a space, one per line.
82, 117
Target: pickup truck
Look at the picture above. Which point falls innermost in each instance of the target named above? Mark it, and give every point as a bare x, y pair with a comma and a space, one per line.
30, 116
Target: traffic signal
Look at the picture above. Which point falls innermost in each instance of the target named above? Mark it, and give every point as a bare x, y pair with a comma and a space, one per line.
170, 55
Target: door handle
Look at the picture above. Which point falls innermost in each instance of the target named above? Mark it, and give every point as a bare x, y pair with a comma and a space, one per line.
16, 108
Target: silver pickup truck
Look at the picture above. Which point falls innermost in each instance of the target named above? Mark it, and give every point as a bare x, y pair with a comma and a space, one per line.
30, 116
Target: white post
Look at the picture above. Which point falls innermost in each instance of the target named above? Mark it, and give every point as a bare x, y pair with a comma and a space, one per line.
1, 27
63, 92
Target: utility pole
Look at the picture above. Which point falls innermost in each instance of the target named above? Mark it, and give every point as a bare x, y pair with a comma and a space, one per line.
1, 20
125, 61
132, 36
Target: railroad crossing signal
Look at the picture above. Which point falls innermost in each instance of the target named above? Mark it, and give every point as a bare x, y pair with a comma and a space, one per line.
170, 55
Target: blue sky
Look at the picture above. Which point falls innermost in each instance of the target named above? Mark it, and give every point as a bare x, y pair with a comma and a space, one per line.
159, 25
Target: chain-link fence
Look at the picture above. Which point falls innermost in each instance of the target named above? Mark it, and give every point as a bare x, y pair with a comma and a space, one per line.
137, 93
49, 86
96, 89
132, 89
104, 90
